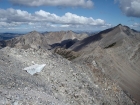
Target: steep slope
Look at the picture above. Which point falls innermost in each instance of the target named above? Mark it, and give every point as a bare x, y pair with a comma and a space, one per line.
30, 40
117, 53
63, 38
61, 82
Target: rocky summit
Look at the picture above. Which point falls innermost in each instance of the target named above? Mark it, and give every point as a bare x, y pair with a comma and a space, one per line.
102, 69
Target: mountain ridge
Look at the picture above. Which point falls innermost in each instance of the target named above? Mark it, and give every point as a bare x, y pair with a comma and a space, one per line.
47, 40
117, 53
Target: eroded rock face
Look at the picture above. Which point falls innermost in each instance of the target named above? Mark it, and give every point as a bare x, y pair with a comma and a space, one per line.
61, 82
117, 53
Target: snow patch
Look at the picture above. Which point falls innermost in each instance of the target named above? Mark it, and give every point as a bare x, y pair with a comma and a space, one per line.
34, 68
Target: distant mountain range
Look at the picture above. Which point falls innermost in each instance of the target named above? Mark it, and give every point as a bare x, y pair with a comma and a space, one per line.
37, 40
63, 38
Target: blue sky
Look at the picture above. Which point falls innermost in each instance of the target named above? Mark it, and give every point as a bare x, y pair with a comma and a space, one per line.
76, 15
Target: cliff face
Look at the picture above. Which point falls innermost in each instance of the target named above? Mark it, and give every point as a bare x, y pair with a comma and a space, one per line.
117, 53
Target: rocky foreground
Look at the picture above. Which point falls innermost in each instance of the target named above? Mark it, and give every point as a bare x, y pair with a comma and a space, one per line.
61, 82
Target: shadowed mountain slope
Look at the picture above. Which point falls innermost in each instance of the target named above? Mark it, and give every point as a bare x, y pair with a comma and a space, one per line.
63, 38
117, 53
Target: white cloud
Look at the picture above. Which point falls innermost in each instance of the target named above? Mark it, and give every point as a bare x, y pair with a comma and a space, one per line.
135, 25
68, 18
75, 19
12, 15
65, 3
11, 24
65, 26
42, 19
130, 8
46, 16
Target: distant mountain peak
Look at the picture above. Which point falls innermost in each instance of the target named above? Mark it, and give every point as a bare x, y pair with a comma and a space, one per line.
119, 25
34, 32
122, 26
107, 37
70, 31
